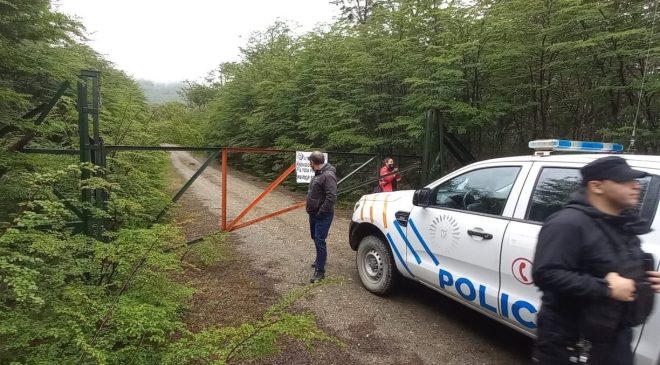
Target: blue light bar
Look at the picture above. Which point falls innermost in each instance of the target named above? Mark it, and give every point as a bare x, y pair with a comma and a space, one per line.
575, 146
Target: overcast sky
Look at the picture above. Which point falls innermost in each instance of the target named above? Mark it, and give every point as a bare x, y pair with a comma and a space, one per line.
174, 40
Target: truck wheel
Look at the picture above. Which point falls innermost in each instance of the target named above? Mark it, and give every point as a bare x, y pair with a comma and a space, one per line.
376, 266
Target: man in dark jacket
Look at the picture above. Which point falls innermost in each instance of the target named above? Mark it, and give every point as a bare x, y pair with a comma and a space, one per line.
590, 267
321, 198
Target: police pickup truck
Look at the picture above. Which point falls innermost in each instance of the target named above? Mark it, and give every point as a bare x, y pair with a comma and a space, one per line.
472, 234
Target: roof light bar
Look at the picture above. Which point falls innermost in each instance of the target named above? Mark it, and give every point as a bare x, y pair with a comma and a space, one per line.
543, 146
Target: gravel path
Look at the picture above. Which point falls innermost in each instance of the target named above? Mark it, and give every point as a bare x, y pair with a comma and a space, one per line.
414, 326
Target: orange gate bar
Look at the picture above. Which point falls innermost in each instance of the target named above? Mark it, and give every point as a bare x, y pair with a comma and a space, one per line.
234, 224
268, 216
263, 194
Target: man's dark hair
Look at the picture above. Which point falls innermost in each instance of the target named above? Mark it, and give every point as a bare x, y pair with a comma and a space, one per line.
317, 158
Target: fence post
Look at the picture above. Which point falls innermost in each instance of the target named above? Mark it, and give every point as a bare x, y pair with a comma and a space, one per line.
85, 155
224, 189
426, 154
440, 123
91, 148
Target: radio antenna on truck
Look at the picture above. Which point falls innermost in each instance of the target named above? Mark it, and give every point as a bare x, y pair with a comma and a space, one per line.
631, 146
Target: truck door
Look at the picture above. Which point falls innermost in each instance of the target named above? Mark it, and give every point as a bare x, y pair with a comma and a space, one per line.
455, 244
547, 189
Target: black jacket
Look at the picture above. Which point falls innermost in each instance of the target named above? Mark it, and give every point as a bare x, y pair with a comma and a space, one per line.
322, 191
573, 255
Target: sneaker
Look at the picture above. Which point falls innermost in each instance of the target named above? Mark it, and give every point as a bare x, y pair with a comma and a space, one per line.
318, 276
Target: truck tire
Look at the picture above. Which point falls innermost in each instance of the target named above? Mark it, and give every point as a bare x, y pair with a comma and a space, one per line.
376, 266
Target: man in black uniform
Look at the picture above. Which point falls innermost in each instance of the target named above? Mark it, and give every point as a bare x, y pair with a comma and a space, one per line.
597, 283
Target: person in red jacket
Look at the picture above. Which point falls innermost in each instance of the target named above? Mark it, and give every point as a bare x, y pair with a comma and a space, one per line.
388, 183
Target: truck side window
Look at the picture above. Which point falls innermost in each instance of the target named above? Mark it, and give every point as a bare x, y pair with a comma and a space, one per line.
482, 191
552, 191
554, 188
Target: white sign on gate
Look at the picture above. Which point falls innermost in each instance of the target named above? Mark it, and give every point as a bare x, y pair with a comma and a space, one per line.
304, 172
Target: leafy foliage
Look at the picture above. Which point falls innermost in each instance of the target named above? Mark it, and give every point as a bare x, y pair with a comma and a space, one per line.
177, 123
59, 286
66, 297
506, 72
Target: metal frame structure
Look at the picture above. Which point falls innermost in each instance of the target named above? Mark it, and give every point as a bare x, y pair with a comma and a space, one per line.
94, 151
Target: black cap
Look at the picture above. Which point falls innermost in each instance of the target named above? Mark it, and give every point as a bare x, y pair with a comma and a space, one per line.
610, 168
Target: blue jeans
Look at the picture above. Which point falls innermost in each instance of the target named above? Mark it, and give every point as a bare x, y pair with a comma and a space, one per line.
319, 225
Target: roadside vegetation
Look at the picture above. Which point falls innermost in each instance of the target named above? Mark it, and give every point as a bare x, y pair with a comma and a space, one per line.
68, 298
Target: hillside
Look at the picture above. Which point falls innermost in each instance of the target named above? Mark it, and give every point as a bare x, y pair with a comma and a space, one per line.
159, 93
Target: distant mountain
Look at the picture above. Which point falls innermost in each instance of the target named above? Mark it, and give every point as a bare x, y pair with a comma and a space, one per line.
159, 93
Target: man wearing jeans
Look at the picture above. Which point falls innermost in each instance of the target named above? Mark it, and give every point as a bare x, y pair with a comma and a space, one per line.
321, 198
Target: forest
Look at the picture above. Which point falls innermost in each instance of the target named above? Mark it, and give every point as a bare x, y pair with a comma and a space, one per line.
502, 72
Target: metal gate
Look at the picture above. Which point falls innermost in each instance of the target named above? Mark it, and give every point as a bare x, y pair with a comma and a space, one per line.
94, 151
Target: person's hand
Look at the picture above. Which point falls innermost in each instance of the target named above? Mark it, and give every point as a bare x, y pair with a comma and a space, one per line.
654, 278
621, 289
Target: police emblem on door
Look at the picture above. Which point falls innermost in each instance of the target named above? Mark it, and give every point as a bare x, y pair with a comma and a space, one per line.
444, 229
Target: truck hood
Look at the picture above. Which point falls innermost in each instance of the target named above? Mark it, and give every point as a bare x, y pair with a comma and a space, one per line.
403, 196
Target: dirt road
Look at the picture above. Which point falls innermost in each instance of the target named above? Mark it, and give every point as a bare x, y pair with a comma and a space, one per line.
414, 326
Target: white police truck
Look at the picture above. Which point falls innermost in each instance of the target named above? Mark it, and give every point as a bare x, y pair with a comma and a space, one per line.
472, 234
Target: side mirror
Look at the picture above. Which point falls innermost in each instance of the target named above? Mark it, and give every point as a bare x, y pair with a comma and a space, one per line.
422, 197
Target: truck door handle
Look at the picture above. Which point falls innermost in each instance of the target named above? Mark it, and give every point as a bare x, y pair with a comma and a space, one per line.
484, 235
